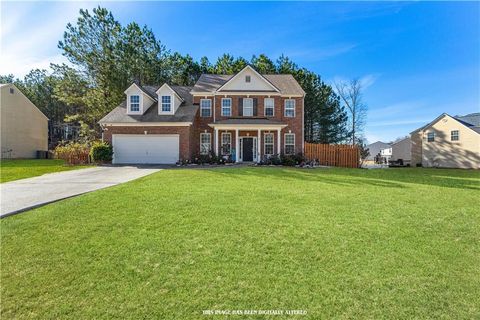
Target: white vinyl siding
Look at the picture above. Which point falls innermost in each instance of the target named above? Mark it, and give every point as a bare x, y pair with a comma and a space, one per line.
226, 107
205, 143
289, 108
289, 143
269, 106
205, 107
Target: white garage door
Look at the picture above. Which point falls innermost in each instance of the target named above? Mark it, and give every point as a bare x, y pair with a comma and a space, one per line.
144, 149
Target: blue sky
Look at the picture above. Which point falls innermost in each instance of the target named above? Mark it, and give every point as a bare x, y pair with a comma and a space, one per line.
417, 59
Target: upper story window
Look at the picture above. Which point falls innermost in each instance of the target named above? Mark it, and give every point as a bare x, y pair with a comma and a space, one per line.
289, 108
135, 103
269, 104
431, 136
289, 143
247, 107
248, 79
205, 107
226, 107
454, 135
166, 103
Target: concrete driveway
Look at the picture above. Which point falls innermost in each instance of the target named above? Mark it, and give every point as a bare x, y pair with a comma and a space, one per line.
21, 195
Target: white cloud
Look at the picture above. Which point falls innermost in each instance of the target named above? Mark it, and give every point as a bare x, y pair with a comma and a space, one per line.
20, 66
29, 40
368, 80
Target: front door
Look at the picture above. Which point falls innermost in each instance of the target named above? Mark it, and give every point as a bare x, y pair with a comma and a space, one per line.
247, 148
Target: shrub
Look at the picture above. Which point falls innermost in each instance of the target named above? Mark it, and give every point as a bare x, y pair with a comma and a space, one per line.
101, 152
271, 160
212, 158
73, 153
292, 160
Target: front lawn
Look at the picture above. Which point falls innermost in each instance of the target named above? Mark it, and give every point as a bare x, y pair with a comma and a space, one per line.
338, 243
20, 169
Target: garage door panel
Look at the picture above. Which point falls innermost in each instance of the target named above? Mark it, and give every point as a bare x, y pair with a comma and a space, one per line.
145, 149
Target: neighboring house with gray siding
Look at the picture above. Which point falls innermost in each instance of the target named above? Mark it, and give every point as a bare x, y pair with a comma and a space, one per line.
401, 150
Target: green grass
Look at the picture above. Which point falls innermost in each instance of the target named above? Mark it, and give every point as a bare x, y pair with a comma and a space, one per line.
339, 243
11, 170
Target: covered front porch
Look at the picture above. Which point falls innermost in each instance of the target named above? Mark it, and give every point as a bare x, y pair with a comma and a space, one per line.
247, 142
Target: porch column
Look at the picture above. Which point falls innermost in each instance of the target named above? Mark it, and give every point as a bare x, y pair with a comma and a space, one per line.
237, 146
259, 144
215, 139
278, 141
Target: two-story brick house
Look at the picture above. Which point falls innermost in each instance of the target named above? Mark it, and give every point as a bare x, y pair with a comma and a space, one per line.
247, 116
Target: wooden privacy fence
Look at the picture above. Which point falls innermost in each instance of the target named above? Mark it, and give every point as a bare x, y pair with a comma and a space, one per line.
337, 155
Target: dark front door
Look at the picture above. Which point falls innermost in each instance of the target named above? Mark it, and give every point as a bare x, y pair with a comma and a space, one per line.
247, 149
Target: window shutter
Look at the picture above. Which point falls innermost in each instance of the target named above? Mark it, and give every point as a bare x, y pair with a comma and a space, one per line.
255, 107
240, 107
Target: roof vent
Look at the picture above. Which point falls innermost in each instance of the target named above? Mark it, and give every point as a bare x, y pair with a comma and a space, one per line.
247, 78
12, 91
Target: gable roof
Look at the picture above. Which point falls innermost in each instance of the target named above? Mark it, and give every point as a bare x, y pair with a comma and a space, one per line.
170, 87
286, 83
18, 91
186, 111
255, 72
471, 121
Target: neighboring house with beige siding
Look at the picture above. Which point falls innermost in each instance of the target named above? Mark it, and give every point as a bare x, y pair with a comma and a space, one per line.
448, 142
24, 128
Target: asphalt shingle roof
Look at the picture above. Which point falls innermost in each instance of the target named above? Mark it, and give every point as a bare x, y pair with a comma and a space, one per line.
185, 113
286, 83
249, 121
472, 119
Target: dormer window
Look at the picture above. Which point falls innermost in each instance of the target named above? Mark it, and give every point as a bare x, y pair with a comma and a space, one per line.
166, 103
247, 79
135, 103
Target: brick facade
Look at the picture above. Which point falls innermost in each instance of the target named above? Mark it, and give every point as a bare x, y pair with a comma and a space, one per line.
294, 124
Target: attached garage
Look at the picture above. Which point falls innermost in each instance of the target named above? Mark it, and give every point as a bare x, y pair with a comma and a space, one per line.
145, 149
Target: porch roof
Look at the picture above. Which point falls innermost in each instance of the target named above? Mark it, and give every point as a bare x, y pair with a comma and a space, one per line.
241, 123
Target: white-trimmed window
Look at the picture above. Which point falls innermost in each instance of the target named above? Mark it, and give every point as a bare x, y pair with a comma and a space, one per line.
454, 135
226, 107
268, 144
226, 143
289, 143
248, 78
431, 136
247, 107
205, 143
205, 107
269, 107
166, 103
290, 108
134, 103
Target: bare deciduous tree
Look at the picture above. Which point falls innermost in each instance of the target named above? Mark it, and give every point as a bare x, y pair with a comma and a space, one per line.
350, 93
